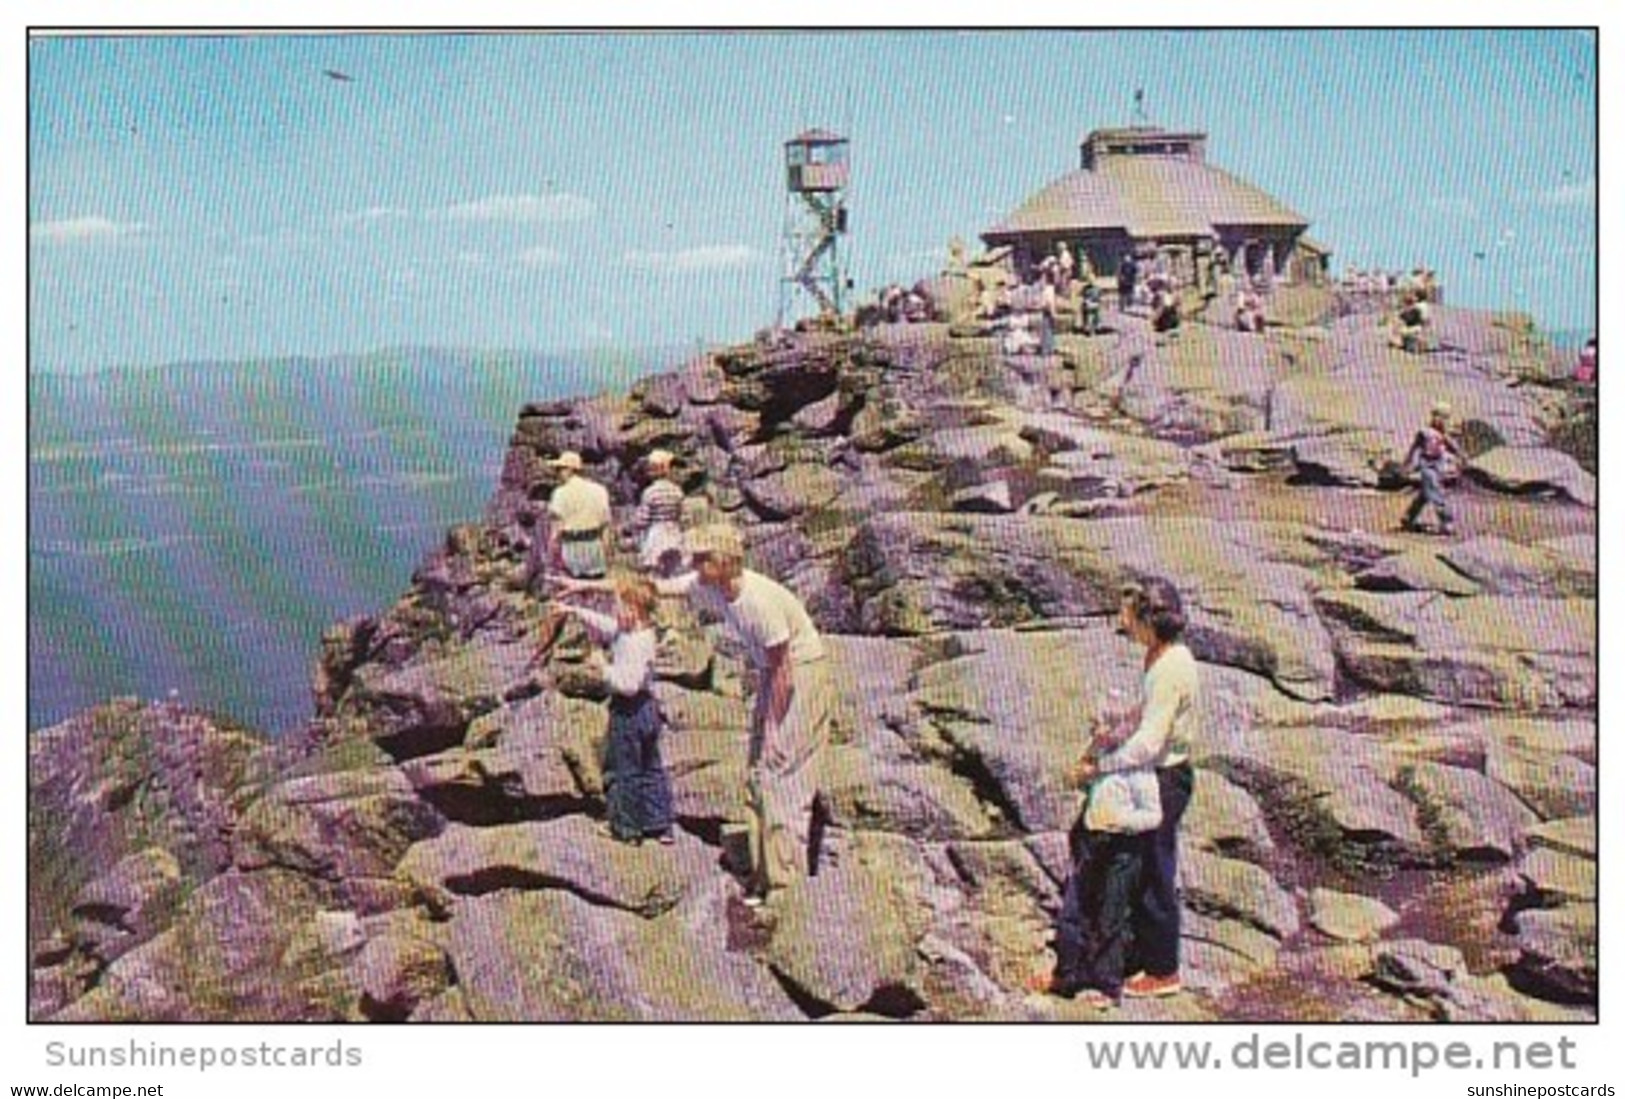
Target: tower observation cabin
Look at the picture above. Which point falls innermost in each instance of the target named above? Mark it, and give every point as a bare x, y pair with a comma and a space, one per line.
816, 177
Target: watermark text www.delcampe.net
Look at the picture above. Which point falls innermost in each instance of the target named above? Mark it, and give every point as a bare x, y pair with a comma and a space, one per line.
1301, 1052
93, 1091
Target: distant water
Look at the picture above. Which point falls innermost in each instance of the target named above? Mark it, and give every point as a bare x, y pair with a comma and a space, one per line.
195, 529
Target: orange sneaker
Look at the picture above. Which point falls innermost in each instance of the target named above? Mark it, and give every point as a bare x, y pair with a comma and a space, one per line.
1093, 997
1143, 986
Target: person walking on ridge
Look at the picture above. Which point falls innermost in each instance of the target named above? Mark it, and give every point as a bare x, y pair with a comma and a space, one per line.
1426, 458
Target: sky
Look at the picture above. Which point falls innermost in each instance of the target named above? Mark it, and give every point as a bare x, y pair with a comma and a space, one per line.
226, 197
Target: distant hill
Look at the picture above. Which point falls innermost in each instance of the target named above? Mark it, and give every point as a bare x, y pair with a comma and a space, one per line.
195, 527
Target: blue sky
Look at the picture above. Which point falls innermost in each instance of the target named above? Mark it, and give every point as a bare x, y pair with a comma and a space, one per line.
220, 197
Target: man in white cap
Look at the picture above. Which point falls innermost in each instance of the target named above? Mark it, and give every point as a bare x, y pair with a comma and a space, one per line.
789, 724
660, 515
579, 509
1426, 457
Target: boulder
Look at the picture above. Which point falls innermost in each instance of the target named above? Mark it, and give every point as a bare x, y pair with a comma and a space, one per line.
917, 800
222, 960
1233, 889
1524, 469
992, 497
1217, 954
552, 957
1348, 916
339, 826
1472, 816
1558, 959
1223, 818
1500, 652
427, 706
1553, 878
1544, 571
398, 972
570, 853
871, 963
1568, 835
1553, 784
127, 905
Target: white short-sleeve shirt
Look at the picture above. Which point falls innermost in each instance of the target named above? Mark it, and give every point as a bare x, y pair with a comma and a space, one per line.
580, 505
765, 614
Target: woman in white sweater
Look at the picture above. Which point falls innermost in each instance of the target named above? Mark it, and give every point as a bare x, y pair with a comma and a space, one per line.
1121, 901
1153, 615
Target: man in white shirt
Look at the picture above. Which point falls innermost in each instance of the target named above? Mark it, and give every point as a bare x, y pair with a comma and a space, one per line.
580, 513
789, 725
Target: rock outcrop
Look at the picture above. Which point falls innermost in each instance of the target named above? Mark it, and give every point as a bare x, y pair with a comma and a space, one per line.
1394, 814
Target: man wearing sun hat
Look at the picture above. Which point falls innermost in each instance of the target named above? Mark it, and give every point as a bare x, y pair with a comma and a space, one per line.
579, 509
1427, 458
789, 724
660, 514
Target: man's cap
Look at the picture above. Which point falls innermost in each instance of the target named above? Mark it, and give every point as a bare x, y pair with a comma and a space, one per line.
1441, 408
568, 460
715, 540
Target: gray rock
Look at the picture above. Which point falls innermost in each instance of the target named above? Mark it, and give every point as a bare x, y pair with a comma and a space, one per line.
1007, 865
916, 800
398, 973
1506, 568
992, 497
339, 826
1474, 816
570, 853
1223, 818
872, 963
1348, 916
427, 706
1236, 890
1535, 470
1553, 878
127, 905
1551, 783
1559, 953
1568, 835
551, 957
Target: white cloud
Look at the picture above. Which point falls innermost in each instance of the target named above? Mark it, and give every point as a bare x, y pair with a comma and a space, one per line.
1454, 207
1571, 194
540, 256
372, 215
709, 257
84, 229
559, 206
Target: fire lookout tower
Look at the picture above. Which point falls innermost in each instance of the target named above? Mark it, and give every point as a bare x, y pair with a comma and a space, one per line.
814, 223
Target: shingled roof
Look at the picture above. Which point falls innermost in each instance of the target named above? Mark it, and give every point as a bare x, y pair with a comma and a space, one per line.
1146, 197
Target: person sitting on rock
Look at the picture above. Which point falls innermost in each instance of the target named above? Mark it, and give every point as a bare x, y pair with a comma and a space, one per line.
1165, 312
1066, 268
1413, 321
637, 788
659, 518
580, 517
1427, 457
1089, 309
1249, 311
1585, 368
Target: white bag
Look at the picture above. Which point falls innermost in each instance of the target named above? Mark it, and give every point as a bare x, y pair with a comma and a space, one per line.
1124, 802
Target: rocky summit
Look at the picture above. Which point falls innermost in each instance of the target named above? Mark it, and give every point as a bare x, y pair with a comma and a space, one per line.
1395, 810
